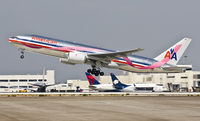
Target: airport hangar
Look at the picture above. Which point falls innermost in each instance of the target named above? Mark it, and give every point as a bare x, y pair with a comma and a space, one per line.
183, 82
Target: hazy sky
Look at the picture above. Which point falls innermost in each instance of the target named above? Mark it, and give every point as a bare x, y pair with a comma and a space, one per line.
154, 25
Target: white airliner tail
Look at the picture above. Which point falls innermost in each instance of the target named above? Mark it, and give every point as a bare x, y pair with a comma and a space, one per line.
175, 52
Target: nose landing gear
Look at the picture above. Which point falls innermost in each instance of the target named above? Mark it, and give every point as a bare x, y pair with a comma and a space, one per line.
22, 55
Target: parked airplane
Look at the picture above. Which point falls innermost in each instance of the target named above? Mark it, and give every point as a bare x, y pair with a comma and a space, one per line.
41, 87
96, 85
151, 87
120, 86
74, 53
136, 87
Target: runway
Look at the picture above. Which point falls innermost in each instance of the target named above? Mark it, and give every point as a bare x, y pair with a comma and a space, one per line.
99, 108
41, 94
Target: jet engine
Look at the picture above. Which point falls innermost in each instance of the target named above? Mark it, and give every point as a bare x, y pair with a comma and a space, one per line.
113, 65
74, 58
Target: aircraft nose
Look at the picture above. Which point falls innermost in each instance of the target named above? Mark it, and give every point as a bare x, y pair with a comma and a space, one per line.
10, 39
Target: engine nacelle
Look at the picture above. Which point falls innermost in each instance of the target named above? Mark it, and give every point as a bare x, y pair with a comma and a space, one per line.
113, 65
74, 58
65, 61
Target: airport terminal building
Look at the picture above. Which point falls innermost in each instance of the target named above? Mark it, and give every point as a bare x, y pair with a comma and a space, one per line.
14, 83
188, 81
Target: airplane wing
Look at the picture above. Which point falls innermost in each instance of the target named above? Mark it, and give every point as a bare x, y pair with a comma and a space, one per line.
38, 85
50, 85
106, 57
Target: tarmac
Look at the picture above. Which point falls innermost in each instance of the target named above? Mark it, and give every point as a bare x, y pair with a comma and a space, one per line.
40, 94
100, 108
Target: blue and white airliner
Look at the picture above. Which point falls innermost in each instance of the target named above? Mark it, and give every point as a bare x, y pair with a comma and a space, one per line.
118, 85
75, 53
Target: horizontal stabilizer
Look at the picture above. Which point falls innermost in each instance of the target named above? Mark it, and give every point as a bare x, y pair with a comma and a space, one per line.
178, 67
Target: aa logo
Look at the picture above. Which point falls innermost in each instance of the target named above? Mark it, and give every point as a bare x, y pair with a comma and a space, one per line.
171, 54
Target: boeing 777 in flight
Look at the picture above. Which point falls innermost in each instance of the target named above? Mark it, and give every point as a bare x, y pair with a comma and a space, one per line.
75, 53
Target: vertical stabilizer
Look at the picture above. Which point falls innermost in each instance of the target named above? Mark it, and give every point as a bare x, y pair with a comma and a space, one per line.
116, 83
174, 56
91, 79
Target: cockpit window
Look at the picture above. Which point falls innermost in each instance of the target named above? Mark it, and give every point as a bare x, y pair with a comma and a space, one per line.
15, 37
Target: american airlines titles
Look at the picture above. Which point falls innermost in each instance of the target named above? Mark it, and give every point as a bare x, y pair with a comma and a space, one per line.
44, 40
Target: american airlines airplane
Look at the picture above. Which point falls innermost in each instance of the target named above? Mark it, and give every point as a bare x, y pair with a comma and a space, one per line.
75, 53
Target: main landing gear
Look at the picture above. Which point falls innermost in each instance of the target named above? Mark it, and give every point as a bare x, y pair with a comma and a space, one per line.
95, 72
22, 55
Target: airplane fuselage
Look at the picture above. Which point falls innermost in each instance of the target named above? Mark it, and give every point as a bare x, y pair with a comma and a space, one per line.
102, 87
75, 53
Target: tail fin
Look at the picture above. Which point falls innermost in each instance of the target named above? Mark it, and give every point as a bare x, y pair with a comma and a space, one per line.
174, 56
116, 83
91, 79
